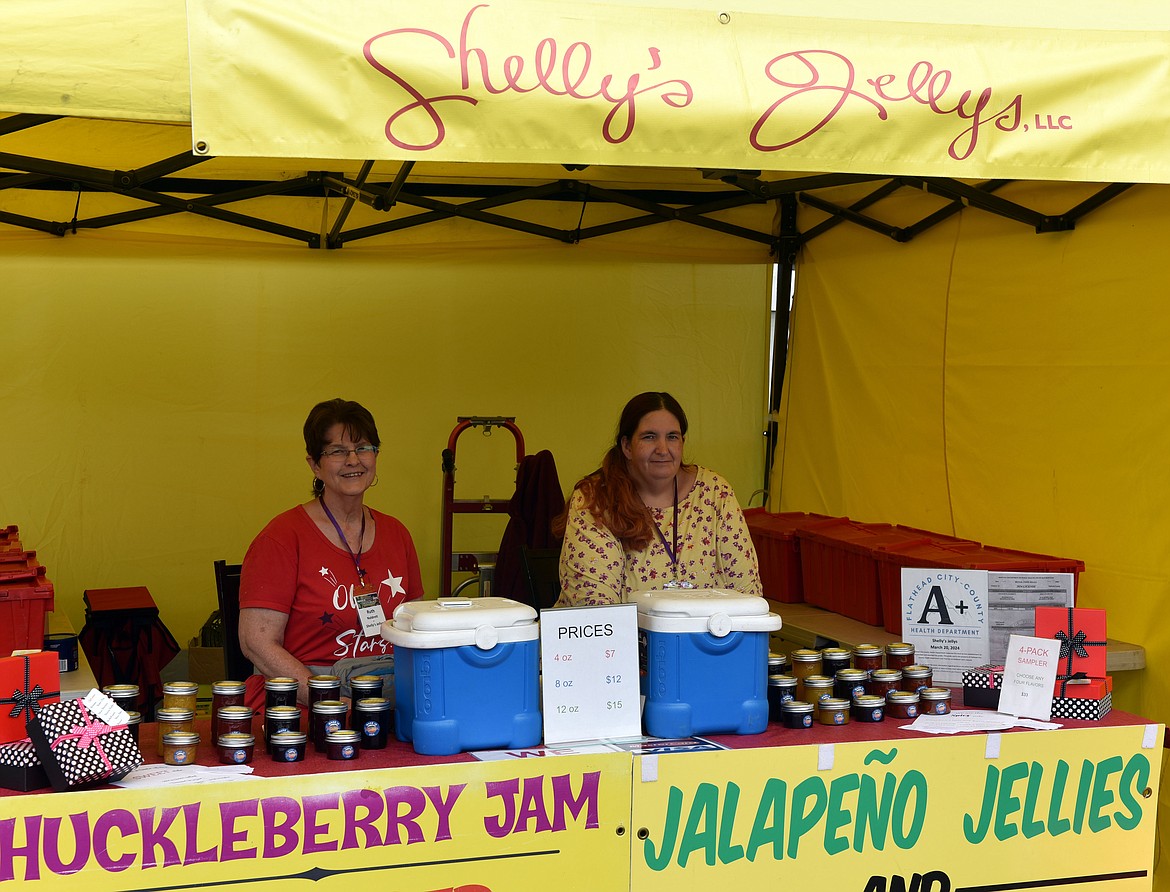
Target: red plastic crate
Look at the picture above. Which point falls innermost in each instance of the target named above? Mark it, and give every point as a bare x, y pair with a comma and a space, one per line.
23, 605
839, 565
10, 540
778, 552
17, 565
947, 553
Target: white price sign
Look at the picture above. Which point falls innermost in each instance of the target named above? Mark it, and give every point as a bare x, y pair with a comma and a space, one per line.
589, 673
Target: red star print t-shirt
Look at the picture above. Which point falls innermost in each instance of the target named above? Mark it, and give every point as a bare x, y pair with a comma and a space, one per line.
293, 568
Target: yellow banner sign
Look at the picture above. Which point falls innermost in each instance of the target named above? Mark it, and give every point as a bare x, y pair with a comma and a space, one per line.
590, 83
479, 827
945, 815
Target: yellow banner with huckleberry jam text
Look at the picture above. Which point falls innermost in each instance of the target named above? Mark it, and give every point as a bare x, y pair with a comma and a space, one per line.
536, 81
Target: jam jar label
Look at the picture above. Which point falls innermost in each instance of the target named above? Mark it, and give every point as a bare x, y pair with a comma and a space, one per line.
371, 728
911, 710
807, 721
180, 757
786, 696
290, 754
332, 725
347, 752
940, 708
838, 718
240, 756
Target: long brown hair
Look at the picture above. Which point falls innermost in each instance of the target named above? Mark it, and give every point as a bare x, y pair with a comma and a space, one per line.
610, 492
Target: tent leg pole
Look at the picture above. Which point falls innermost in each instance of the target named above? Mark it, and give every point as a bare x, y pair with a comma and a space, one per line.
787, 245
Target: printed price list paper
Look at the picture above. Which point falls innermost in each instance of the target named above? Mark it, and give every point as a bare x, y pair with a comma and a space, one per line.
589, 673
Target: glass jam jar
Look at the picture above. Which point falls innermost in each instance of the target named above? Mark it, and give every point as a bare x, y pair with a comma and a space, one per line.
342, 745
902, 704
280, 691
882, 681
179, 747
280, 718
833, 711
224, 693
814, 688
234, 718
372, 718
324, 687
288, 746
235, 748
868, 657
916, 678
133, 723
781, 689
180, 694
834, 659
125, 695
778, 664
848, 683
365, 686
899, 654
797, 714
172, 718
805, 662
868, 708
326, 717
934, 701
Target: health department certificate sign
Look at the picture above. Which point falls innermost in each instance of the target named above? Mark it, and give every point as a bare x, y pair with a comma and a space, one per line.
944, 615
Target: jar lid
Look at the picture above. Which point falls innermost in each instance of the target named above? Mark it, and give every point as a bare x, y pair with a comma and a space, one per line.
852, 675
329, 707
902, 697
796, 706
818, 681
886, 675
237, 738
343, 735
324, 681
180, 738
868, 701
180, 687
282, 712
280, 683
373, 704
869, 650
235, 712
775, 659
915, 671
781, 681
113, 690
832, 703
934, 694
174, 714
899, 647
133, 718
366, 681
288, 738
838, 652
804, 655
228, 687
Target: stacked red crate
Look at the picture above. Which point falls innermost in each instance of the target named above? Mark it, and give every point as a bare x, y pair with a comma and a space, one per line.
778, 552
26, 595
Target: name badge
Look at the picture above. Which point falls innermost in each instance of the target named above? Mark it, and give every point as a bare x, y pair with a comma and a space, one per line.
370, 613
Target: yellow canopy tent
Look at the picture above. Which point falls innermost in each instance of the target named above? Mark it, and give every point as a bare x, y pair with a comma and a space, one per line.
971, 194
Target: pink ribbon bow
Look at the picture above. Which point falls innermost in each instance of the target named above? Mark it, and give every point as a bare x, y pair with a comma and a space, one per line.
89, 733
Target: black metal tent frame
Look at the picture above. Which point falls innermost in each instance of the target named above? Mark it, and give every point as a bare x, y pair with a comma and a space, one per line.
163, 194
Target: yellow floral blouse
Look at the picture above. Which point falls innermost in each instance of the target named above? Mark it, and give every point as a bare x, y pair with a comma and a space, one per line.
715, 549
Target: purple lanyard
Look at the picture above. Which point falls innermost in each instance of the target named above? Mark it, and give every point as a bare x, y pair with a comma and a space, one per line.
671, 553
357, 558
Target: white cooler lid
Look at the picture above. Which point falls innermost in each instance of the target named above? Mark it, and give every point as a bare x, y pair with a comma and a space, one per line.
718, 611
458, 622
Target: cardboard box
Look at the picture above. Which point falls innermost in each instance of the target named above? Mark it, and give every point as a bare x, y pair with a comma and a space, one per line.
20, 769
205, 665
1084, 628
32, 682
81, 742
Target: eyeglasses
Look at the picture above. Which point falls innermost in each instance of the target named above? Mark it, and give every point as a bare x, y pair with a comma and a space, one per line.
340, 453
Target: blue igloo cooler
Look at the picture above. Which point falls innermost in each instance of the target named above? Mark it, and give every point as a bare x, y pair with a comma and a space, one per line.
704, 661
466, 674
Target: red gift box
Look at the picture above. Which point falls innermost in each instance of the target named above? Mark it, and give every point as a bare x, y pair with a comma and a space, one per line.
27, 684
1081, 632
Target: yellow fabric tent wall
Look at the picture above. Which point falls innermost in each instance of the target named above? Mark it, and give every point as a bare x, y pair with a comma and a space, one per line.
155, 391
998, 385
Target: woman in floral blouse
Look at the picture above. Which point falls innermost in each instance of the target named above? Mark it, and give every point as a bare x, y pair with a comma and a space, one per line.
645, 520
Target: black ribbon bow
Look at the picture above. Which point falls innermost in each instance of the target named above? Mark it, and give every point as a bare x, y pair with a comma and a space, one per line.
1072, 643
